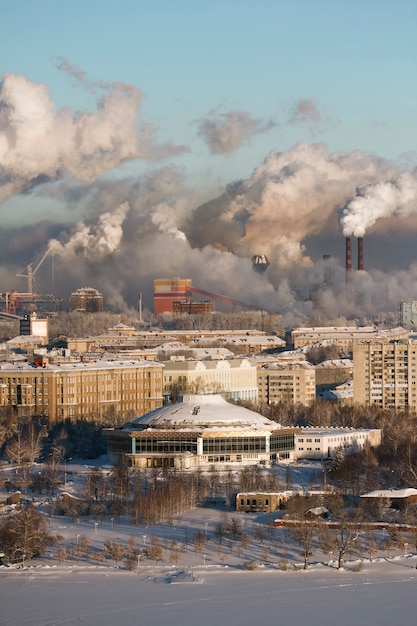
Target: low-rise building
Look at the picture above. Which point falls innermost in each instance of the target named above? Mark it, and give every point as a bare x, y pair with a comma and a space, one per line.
323, 443
265, 502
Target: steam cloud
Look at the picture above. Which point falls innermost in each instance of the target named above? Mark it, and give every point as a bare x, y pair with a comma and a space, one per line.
305, 111
227, 132
94, 242
37, 143
133, 230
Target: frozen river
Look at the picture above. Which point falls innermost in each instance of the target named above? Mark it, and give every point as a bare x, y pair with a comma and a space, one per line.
382, 594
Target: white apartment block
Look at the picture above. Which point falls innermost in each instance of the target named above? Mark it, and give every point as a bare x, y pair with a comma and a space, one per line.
234, 379
294, 383
385, 374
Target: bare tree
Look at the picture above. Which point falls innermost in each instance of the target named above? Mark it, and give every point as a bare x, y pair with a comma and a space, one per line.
23, 534
300, 509
347, 530
155, 551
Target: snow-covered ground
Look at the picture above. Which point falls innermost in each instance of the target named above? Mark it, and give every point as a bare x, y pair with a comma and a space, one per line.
209, 587
382, 594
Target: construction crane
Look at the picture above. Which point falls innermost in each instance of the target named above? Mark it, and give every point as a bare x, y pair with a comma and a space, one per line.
32, 272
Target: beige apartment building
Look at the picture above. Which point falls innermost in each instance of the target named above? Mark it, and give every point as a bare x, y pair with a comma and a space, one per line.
234, 379
81, 390
385, 374
294, 383
343, 336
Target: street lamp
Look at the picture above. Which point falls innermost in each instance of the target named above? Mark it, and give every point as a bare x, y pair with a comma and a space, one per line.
65, 469
95, 527
111, 521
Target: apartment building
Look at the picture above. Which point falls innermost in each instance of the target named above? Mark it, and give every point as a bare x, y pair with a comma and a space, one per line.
385, 374
234, 379
294, 383
343, 336
81, 390
408, 313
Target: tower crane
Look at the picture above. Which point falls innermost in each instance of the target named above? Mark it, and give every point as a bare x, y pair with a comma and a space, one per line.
31, 272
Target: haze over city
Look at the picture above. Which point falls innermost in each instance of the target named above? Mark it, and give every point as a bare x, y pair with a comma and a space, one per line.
142, 140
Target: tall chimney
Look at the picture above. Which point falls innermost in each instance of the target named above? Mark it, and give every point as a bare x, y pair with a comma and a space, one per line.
348, 256
360, 253
327, 278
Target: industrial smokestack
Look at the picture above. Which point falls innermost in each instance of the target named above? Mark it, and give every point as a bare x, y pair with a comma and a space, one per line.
348, 256
360, 253
327, 278
140, 307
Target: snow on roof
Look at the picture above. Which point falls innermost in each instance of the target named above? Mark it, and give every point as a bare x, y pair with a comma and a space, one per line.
334, 363
318, 431
93, 365
198, 410
391, 493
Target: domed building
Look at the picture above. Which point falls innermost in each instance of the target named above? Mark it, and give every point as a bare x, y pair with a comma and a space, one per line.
200, 430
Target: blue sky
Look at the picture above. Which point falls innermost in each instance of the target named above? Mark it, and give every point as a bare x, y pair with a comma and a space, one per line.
357, 60
124, 117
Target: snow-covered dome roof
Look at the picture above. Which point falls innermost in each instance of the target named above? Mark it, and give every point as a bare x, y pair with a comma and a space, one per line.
201, 411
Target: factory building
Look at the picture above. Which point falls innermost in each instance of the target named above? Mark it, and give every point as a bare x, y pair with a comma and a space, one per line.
385, 374
293, 383
166, 291
80, 390
192, 307
200, 430
173, 295
87, 300
234, 379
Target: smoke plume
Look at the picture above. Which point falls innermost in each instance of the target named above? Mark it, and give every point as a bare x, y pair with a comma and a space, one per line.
118, 234
395, 198
38, 144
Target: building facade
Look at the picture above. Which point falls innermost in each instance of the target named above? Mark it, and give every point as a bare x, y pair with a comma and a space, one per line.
81, 390
31, 324
343, 336
408, 313
234, 379
385, 374
293, 383
323, 443
166, 291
